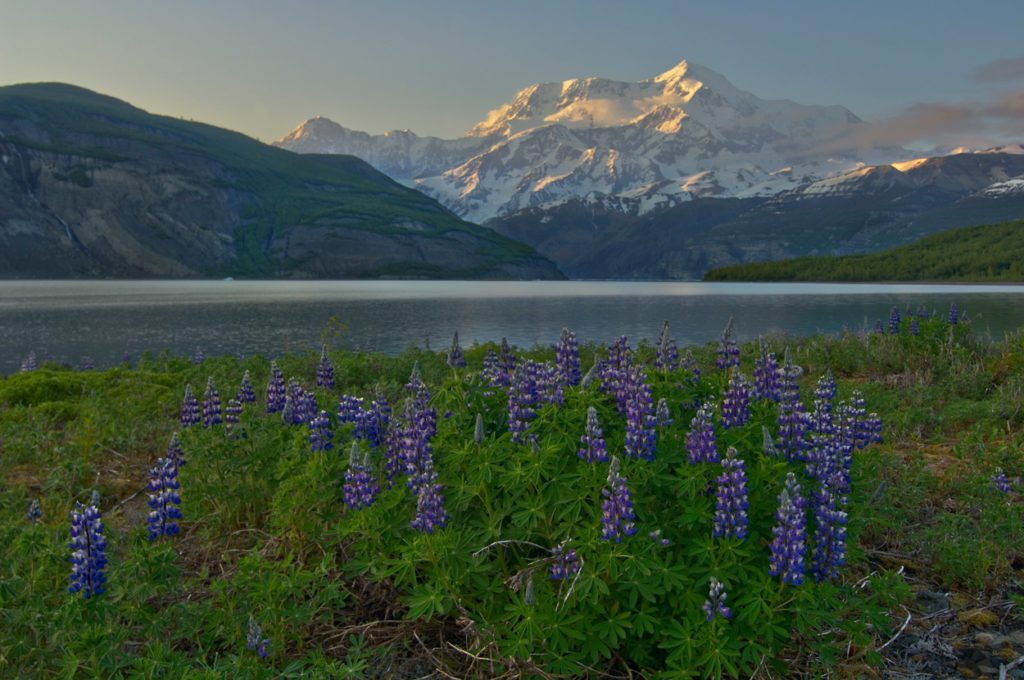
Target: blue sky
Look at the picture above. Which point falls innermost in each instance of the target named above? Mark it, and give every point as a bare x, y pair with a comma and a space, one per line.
951, 70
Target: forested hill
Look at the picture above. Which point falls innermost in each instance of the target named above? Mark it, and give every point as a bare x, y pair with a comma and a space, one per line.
992, 252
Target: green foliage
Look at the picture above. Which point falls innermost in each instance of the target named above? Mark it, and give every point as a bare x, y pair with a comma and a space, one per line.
340, 593
982, 253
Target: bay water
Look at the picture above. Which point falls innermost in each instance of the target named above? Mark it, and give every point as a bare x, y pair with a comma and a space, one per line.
103, 322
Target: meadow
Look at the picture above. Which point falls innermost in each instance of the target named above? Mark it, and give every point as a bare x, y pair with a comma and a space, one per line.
792, 507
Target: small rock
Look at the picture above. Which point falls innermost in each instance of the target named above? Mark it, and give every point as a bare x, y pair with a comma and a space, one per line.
986, 640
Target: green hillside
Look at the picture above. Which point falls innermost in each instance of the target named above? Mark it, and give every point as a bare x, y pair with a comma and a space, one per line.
992, 252
73, 151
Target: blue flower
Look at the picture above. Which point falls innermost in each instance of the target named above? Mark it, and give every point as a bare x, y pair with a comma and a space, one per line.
245, 394
593, 449
254, 638
163, 499
320, 433
954, 315
275, 389
1000, 481
700, 440
35, 512
565, 564
728, 350
617, 507
325, 370
894, 320
666, 357
360, 489
174, 451
88, 551
829, 532
640, 439
767, 376
736, 401
211, 404
731, 498
455, 358
29, 363
567, 358
189, 408
715, 604
790, 535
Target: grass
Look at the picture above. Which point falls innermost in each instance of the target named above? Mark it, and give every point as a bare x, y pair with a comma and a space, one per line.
360, 594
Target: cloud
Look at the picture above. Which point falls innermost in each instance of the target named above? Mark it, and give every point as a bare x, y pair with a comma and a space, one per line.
971, 123
1001, 70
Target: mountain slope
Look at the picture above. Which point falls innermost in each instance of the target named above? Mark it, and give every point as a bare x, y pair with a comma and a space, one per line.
992, 252
92, 186
687, 133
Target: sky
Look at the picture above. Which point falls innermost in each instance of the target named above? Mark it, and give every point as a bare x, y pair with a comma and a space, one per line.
919, 72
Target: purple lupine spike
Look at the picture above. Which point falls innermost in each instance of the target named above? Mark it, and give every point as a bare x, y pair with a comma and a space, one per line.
715, 604
731, 498
394, 449
320, 434
640, 439
736, 401
522, 396
767, 377
490, 371
350, 409
879, 328
700, 440
689, 365
189, 408
29, 363
666, 357
614, 372
662, 415
657, 538
1000, 482
728, 350
894, 320
617, 507
829, 532
826, 388
790, 531
506, 359
567, 359
325, 370
914, 330
793, 419
954, 315
275, 390
198, 357
566, 563
231, 413
245, 394
360, 488
372, 425
430, 512
174, 452
35, 512
593, 449
211, 405
455, 358
254, 639
88, 551
163, 499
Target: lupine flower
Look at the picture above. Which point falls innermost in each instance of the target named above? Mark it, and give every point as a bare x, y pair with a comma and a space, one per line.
94, 498
478, 429
320, 433
163, 499
640, 436
790, 531
657, 537
189, 408
490, 370
245, 394
350, 409
731, 498
829, 532
197, 357
565, 564
325, 370
954, 315
715, 604
254, 638
914, 330
35, 512
767, 377
1000, 481
455, 358
768, 443
29, 363
700, 440
211, 404
372, 425
728, 350
88, 364
174, 452
894, 320
662, 416
793, 420
667, 356
613, 372
567, 359
736, 401
531, 384
879, 329
689, 365
275, 389
231, 413
593, 449
360, 488
288, 411
88, 551
430, 512
506, 359
617, 507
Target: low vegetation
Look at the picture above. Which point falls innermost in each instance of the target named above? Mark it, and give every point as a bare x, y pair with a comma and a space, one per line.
987, 253
613, 512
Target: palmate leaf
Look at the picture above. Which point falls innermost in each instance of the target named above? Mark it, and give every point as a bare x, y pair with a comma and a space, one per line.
425, 601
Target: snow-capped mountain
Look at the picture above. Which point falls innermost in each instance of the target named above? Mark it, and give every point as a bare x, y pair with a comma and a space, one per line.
684, 134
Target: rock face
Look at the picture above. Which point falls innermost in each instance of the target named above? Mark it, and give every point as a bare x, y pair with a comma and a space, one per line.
685, 134
91, 186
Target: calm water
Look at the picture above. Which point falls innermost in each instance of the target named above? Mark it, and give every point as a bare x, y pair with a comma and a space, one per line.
102, 320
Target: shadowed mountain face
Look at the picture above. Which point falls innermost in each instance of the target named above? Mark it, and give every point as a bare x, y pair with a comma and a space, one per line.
91, 186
